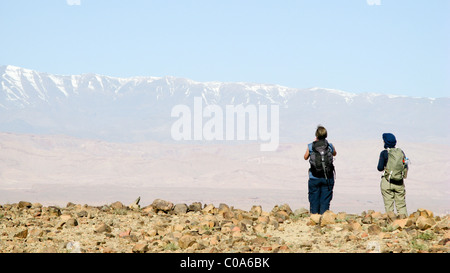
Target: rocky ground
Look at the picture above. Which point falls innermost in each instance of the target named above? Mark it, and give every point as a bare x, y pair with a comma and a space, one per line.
165, 227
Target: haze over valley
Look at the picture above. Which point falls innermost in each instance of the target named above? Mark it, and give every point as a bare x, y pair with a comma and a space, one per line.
98, 139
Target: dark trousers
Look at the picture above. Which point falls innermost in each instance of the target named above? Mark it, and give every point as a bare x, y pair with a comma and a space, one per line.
320, 193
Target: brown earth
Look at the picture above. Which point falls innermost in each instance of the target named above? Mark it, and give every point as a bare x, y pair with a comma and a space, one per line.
165, 227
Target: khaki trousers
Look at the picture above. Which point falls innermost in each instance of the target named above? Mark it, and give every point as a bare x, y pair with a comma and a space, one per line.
393, 194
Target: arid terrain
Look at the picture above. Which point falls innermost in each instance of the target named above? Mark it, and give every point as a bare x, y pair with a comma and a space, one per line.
60, 194
205, 228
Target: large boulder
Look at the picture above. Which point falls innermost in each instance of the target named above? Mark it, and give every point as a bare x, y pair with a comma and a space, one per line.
180, 209
328, 218
162, 205
424, 223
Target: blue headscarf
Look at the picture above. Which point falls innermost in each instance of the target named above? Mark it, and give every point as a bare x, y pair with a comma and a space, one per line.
389, 140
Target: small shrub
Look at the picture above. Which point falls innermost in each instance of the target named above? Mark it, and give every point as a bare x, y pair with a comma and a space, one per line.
427, 236
171, 247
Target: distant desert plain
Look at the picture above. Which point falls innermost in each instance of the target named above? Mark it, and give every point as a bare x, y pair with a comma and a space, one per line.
55, 170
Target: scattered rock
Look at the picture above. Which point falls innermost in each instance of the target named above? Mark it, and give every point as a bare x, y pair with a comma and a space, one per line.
65, 217
402, 223
260, 228
315, 218
442, 225
102, 227
180, 208
425, 222
286, 208
72, 222
425, 213
82, 213
25, 204
125, 233
36, 232
196, 206
367, 219
328, 218
281, 216
135, 205
390, 216
186, 241
140, 248
353, 226
117, 205
108, 250
256, 210
164, 227
208, 209
48, 249
301, 212
374, 230
21, 234
54, 211
162, 205
376, 215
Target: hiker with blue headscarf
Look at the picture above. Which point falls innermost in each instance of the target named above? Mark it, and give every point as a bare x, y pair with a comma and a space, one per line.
393, 164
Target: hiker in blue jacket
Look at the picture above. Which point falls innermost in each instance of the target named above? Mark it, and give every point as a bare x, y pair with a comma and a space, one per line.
393, 187
321, 172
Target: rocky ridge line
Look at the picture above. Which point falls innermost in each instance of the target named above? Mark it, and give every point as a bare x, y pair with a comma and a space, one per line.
167, 227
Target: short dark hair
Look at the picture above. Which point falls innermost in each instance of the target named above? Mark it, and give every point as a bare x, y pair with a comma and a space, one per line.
321, 132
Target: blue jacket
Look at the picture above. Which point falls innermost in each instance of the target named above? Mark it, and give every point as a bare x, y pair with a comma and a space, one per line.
383, 160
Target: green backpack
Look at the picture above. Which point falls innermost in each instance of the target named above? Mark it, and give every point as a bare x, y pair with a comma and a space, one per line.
395, 168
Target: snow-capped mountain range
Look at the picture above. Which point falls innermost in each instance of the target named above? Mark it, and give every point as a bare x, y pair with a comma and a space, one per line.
139, 108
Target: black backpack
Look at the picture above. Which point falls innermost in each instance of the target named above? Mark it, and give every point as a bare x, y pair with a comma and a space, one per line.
321, 160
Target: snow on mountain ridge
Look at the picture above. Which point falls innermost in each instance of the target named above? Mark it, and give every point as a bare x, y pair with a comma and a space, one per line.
21, 85
14, 81
138, 108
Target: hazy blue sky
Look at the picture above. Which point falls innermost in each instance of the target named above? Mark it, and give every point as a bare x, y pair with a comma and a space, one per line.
398, 47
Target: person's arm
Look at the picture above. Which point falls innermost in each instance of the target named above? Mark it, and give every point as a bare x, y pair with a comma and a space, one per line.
334, 150
306, 156
404, 158
382, 161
